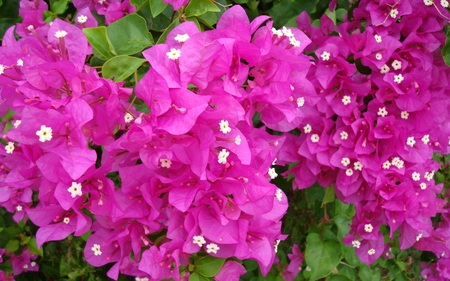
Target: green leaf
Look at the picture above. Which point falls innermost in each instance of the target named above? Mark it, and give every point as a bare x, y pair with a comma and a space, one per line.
13, 245
129, 35
32, 246
60, 6
321, 256
329, 195
121, 67
99, 40
343, 224
446, 50
199, 7
314, 193
339, 277
162, 38
156, 7
365, 273
209, 265
282, 11
137, 3
197, 277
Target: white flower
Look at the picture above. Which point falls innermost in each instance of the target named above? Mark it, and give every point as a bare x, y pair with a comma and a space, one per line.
308, 268
2, 69
397, 162
345, 161
287, 32
386, 165
272, 173
396, 64
237, 140
415, 176
96, 249
25, 266
60, 34
33, 264
356, 244
128, 118
307, 129
275, 246
182, 38
382, 112
428, 2
82, 18
30, 27
19, 208
9, 147
393, 13
66, 220
398, 78
426, 139
346, 100
384, 69
279, 194
224, 127
174, 54
325, 55
344, 135
45, 133
75, 189
418, 237
429, 175
368, 227
358, 166
101, 1
212, 248
410, 141
371, 252
349, 172
300, 102
294, 42
165, 163
199, 240
423, 186
276, 32
444, 3
315, 138
378, 38
19, 62
404, 115
222, 158
378, 56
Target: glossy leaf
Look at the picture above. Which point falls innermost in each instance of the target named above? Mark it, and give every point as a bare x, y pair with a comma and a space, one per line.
162, 38
99, 40
121, 67
282, 11
197, 277
157, 7
209, 265
199, 7
32, 246
322, 256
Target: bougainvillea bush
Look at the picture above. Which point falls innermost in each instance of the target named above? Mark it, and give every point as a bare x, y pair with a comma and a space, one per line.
204, 140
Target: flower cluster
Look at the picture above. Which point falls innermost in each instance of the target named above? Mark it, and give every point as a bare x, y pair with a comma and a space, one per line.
374, 108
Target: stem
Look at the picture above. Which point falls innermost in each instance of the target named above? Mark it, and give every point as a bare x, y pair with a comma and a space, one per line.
325, 217
100, 99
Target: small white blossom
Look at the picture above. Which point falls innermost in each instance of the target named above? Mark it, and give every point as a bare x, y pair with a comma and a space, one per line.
2, 69
384, 69
325, 56
30, 27
237, 140
19, 208
300, 102
344, 135
415, 176
33, 264
346, 100
368, 227
173, 54
382, 112
378, 56
386, 165
222, 158
66, 220
182, 38
199, 240
444, 3
19, 62
128, 118
396, 64
315, 138
275, 246
397, 162
212, 248
423, 186
378, 38
404, 115
287, 32
371, 252
294, 42
101, 1
428, 2
17, 123
60, 34
165, 163
277, 32
426, 139
45, 133
345, 161
393, 13
25, 266
224, 127
9, 147
75, 189
349, 172
308, 268
307, 129
410, 141
96, 249
429, 175
82, 18
272, 173
398, 78
356, 244
358, 165
279, 194
418, 237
